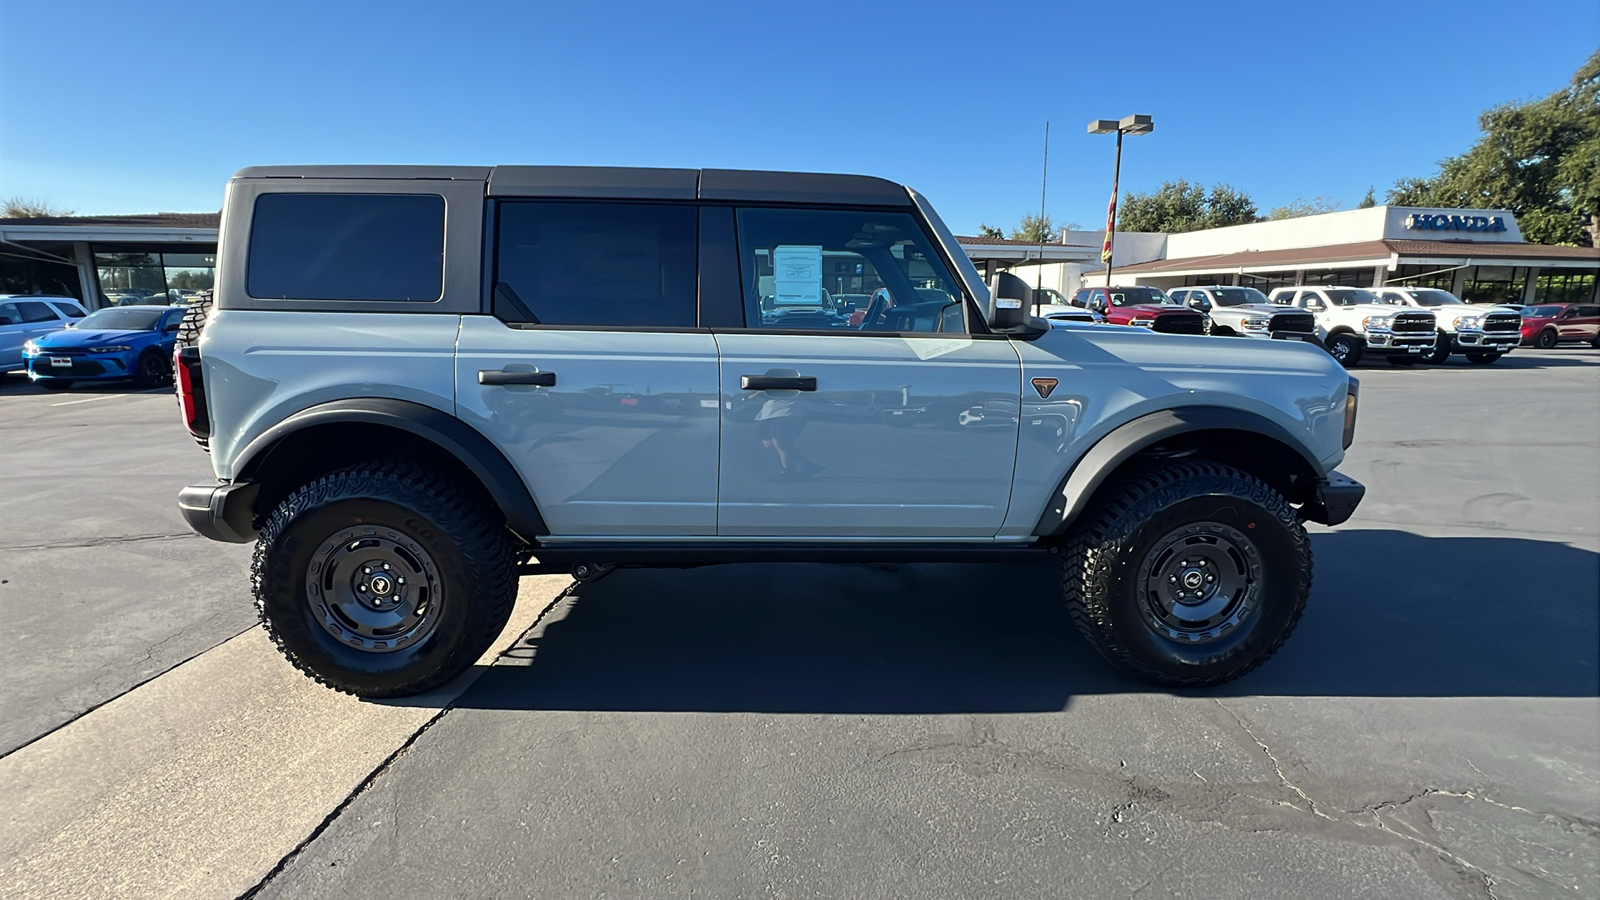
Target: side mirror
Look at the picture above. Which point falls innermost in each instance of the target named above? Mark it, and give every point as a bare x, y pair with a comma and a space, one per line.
172, 327
1012, 301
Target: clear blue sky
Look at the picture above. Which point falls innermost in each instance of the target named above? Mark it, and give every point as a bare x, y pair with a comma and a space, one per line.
138, 107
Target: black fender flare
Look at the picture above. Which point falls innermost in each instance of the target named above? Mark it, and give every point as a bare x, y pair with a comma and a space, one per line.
458, 439
1123, 442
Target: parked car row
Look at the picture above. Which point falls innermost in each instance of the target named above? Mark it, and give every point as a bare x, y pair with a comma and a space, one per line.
58, 342
1404, 325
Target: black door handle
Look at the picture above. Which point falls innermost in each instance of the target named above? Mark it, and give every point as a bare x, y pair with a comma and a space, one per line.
777, 382
537, 379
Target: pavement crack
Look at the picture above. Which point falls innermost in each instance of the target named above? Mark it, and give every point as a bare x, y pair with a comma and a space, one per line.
1276, 765
1466, 868
103, 541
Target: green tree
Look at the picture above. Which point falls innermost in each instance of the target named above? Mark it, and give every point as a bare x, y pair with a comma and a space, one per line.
1300, 206
989, 231
1539, 159
1369, 201
1036, 230
17, 207
1180, 206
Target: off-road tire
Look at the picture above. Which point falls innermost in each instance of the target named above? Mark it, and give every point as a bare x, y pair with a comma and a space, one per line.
194, 322
1346, 348
1127, 521
457, 529
1547, 339
154, 371
1441, 351
1484, 359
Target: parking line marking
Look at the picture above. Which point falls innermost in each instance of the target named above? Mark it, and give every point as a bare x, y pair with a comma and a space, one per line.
85, 400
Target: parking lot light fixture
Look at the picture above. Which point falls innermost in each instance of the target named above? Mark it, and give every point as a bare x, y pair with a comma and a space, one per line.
1126, 125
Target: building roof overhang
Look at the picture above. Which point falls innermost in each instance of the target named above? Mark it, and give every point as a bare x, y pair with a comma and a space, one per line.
1387, 253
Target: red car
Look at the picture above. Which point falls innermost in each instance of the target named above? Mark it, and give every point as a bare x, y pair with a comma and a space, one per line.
1548, 324
1144, 307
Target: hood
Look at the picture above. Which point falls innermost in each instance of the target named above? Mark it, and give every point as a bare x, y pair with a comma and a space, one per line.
1452, 313
68, 338
1257, 309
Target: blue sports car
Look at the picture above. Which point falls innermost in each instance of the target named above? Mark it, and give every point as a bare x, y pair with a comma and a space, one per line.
116, 342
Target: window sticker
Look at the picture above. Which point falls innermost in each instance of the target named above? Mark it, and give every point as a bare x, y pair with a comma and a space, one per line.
797, 275
928, 348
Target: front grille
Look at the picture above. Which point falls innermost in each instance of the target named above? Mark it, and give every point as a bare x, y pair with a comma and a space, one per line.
1412, 322
79, 367
1302, 322
1179, 324
1502, 322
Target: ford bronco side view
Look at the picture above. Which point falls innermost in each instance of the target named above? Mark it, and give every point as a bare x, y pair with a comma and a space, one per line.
417, 383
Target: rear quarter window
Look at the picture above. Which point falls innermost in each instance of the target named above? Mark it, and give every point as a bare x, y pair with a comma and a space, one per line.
383, 247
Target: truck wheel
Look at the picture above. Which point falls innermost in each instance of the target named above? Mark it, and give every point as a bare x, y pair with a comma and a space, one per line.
1346, 349
1440, 351
1191, 574
1547, 339
1483, 359
384, 579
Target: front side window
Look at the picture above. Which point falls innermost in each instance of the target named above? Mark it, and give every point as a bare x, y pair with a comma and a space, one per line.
385, 247
798, 263
36, 311
600, 264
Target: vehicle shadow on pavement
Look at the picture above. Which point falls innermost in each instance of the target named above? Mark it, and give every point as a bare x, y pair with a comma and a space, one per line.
1393, 614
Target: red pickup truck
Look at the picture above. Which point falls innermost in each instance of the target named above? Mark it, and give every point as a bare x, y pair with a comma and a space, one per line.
1142, 307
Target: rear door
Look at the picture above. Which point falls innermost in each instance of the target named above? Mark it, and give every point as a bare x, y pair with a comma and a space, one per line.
902, 426
1581, 322
605, 397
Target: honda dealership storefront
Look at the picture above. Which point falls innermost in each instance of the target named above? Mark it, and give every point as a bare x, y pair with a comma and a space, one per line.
1476, 254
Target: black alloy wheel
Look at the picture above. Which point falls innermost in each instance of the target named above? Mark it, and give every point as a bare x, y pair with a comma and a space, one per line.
1547, 339
1187, 575
1440, 351
154, 370
384, 579
1346, 349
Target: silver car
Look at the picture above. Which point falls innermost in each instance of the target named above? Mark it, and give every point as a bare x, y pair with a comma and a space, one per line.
24, 317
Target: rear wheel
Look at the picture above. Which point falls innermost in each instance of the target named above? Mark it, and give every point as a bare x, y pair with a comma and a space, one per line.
1346, 348
384, 579
1190, 574
1484, 359
1547, 339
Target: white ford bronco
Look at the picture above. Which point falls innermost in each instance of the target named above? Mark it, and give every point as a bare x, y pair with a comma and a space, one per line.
417, 383
1354, 322
1482, 334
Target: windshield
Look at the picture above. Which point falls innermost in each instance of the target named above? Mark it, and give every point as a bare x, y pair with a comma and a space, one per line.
1238, 296
1136, 296
1351, 297
1435, 298
1541, 312
123, 318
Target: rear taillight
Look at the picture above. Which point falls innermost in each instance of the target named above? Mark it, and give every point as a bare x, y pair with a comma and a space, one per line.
191, 392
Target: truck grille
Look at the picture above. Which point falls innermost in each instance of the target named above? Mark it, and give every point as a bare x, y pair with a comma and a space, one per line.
1502, 322
1179, 324
1412, 322
1301, 322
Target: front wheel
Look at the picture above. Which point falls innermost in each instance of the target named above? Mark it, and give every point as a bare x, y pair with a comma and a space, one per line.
1346, 349
1188, 575
1484, 359
1440, 351
153, 370
384, 579
1547, 339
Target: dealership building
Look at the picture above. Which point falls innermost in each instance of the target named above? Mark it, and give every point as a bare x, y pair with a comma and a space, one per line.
101, 259
1477, 254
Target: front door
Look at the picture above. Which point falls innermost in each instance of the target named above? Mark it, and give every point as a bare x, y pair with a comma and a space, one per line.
888, 422
607, 403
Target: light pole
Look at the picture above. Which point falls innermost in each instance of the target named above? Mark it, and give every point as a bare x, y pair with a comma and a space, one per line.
1128, 125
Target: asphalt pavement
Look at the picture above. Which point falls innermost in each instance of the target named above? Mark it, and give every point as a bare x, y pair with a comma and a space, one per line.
1431, 730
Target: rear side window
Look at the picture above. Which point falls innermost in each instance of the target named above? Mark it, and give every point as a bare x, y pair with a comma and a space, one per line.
68, 310
35, 311
600, 264
347, 247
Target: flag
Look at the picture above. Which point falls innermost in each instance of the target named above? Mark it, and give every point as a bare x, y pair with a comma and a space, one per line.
1111, 222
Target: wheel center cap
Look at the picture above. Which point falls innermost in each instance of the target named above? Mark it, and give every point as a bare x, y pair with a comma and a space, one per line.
1192, 579
381, 585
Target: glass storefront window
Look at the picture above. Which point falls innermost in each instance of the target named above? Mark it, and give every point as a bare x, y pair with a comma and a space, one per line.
1564, 287
1494, 284
139, 278
1441, 277
1361, 278
1266, 281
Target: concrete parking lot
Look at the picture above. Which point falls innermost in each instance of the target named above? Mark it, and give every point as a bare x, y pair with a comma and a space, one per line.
1431, 730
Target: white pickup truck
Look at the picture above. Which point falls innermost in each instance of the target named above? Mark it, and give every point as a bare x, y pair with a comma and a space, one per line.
1482, 334
1354, 322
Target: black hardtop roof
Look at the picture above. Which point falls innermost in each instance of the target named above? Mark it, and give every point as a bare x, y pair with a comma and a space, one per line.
619, 183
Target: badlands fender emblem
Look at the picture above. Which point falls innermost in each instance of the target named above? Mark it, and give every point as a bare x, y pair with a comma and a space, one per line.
1044, 386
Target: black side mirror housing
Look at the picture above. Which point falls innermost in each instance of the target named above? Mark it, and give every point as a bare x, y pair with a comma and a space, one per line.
1013, 300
